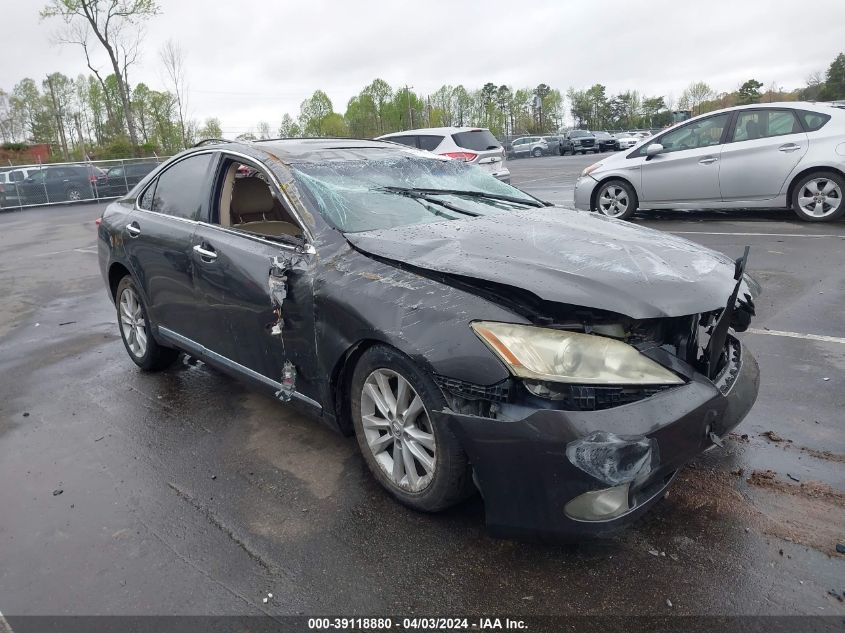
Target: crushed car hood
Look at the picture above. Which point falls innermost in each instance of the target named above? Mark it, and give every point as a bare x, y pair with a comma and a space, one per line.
571, 257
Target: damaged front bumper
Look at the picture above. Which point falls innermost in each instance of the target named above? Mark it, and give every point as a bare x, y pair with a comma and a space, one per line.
526, 478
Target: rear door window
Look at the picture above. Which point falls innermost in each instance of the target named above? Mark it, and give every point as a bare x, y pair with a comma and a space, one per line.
476, 140
183, 188
429, 142
754, 124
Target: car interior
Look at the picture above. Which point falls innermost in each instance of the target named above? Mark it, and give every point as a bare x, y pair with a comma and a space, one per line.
247, 203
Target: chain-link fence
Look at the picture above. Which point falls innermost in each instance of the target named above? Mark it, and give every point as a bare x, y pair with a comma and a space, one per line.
24, 186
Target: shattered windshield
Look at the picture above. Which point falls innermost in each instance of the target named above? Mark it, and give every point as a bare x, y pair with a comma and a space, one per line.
365, 195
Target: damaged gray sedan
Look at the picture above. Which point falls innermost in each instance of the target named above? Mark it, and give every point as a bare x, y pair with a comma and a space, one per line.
470, 336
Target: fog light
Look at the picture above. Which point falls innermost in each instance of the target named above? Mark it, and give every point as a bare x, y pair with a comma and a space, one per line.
599, 505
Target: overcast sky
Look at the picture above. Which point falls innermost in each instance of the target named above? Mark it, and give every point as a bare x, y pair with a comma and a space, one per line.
253, 61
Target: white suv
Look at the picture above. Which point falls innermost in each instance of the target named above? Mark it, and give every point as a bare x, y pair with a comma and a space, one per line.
469, 144
9, 195
529, 146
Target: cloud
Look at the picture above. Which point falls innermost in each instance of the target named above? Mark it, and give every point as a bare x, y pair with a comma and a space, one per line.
248, 62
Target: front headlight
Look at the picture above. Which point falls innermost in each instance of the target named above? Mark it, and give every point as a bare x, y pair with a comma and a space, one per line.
571, 357
589, 170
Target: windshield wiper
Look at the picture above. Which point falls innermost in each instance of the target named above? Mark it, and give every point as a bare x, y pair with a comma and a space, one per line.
421, 195
468, 193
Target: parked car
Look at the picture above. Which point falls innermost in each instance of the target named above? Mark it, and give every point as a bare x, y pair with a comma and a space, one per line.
771, 155
121, 178
553, 143
429, 309
476, 146
606, 142
578, 142
625, 140
535, 146
62, 183
9, 178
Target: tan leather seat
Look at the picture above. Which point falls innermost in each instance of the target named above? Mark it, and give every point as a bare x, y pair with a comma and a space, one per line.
251, 201
255, 210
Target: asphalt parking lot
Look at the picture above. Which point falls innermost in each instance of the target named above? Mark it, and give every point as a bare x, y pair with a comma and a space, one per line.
186, 493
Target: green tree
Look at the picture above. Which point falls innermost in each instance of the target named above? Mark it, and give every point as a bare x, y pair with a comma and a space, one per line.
312, 113
540, 93
58, 94
651, 107
694, 96
211, 128
443, 106
334, 126
380, 95
834, 85
749, 92
463, 105
289, 128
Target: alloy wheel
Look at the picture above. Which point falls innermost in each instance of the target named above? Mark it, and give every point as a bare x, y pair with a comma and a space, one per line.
820, 197
74, 195
132, 323
398, 430
613, 201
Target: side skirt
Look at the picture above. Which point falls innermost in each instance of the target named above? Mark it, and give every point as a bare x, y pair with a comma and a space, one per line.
195, 349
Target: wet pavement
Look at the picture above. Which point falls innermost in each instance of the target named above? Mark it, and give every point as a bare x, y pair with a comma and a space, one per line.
186, 493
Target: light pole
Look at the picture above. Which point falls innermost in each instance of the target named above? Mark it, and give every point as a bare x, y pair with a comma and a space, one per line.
410, 113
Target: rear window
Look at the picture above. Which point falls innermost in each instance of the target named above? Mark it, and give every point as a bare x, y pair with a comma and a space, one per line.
430, 142
410, 141
813, 120
476, 140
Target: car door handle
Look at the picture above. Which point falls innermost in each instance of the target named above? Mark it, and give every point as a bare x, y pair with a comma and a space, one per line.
789, 147
133, 229
205, 253
708, 161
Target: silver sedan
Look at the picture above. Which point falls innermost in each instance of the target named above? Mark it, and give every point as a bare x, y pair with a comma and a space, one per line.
774, 155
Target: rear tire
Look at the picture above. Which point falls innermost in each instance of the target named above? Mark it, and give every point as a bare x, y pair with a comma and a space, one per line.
616, 199
74, 194
134, 326
537, 152
818, 197
408, 431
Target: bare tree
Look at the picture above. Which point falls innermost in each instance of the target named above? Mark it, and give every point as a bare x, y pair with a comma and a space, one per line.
263, 130
115, 24
174, 64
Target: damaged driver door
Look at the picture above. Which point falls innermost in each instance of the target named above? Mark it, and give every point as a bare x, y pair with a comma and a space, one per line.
254, 302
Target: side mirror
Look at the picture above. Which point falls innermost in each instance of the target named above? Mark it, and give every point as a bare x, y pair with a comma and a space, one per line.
654, 149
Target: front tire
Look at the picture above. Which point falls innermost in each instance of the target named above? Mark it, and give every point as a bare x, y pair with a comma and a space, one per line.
617, 199
818, 197
411, 453
134, 325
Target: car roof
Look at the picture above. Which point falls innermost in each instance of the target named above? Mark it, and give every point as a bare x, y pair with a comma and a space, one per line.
813, 106
436, 130
313, 150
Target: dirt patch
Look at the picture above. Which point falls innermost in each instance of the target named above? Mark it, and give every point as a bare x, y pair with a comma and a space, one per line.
811, 489
810, 513
825, 455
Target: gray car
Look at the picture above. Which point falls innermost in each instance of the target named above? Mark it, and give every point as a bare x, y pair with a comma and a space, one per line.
774, 155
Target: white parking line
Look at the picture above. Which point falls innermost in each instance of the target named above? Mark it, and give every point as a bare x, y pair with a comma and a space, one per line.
756, 234
811, 337
4, 625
